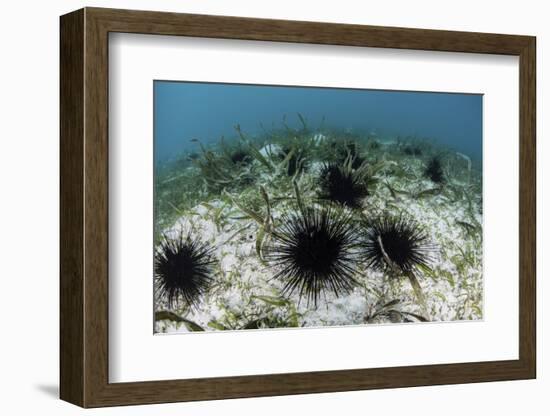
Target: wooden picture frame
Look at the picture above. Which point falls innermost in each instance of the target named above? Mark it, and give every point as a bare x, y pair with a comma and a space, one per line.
84, 207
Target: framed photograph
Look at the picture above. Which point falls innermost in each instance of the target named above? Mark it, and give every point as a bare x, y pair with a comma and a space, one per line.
255, 207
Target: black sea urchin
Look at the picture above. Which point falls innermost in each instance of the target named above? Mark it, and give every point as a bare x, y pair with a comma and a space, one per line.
314, 250
183, 269
395, 242
240, 156
342, 185
434, 171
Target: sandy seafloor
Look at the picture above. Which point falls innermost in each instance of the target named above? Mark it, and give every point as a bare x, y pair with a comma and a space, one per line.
244, 291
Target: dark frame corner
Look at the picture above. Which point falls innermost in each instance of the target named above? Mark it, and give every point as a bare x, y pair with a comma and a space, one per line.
84, 208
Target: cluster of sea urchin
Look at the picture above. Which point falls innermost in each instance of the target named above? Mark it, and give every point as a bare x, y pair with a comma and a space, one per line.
396, 243
342, 185
315, 251
183, 269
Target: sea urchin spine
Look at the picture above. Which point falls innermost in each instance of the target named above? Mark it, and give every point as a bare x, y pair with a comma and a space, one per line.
434, 171
315, 252
183, 269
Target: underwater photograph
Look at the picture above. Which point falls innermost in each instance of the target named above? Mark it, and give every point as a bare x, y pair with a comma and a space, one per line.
295, 207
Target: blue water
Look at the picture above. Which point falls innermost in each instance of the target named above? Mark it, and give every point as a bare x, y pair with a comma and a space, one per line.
207, 111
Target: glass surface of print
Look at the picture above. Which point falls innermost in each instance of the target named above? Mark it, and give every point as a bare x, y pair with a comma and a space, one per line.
286, 207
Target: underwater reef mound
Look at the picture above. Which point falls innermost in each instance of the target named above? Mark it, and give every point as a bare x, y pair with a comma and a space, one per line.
314, 251
342, 185
184, 269
395, 242
434, 171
